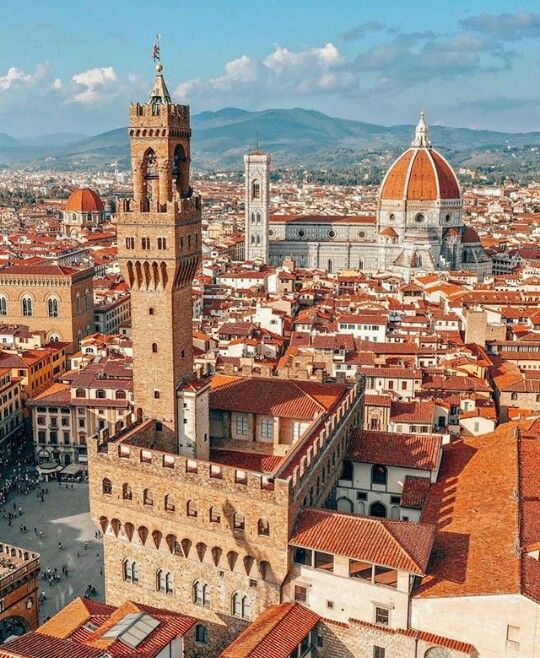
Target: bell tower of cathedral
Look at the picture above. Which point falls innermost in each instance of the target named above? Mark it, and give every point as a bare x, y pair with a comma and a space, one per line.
159, 248
257, 205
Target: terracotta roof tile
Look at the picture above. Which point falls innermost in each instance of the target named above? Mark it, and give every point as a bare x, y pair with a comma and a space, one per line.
419, 451
274, 634
394, 544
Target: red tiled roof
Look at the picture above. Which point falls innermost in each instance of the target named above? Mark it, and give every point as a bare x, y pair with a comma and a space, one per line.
474, 505
419, 451
37, 645
414, 492
415, 411
274, 634
395, 544
248, 461
275, 397
420, 174
84, 200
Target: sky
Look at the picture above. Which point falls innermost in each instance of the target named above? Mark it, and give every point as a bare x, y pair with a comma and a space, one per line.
73, 67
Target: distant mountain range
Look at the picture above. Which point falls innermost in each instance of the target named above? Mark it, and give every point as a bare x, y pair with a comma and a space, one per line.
294, 137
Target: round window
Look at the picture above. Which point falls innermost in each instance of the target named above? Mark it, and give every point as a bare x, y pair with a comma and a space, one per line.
361, 234
391, 217
331, 234
419, 218
270, 232
447, 218
301, 234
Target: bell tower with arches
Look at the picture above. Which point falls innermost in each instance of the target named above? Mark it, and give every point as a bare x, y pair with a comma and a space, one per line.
257, 205
159, 248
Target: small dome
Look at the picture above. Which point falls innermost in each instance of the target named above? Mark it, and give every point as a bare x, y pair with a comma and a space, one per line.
420, 174
84, 200
389, 231
469, 236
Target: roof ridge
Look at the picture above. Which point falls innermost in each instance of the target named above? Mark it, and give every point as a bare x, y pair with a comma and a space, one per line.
409, 172
396, 540
435, 172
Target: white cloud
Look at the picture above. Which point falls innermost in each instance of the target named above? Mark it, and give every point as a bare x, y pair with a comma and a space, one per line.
94, 81
308, 71
57, 84
15, 75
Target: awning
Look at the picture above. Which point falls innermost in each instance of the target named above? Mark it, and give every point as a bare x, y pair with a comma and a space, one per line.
71, 469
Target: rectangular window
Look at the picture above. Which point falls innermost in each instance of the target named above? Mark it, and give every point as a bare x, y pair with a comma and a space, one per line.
130, 243
303, 556
242, 425
512, 634
379, 652
384, 576
267, 429
363, 570
145, 243
324, 561
162, 243
382, 616
300, 594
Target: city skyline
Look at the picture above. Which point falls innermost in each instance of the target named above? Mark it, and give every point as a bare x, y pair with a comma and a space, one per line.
470, 66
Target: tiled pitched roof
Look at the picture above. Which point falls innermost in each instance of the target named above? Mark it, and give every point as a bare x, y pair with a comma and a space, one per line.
395, 544
274, 634
249, 461
275, 397
420, 451
414, 492
37, 645
415, 411
475, 507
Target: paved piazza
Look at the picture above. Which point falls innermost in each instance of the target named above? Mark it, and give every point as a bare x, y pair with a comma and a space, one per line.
63, 517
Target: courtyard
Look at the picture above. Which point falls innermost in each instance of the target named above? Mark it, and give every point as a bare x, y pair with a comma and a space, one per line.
63, 517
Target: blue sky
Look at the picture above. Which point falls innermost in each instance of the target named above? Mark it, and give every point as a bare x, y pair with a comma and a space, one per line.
74, 66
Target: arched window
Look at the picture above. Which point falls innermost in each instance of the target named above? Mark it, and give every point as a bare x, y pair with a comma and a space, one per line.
80, 393
258, 218
130, 571
27, 306
241, 606
3, 305
263, 527
150, 311
100, 394
258, 238
169, 503
52, 307
120, 395
54, 338
379, 474
147, 497
191, 508
514, 396
255, 190
88, 299
377, 509
77, 304
201, 634
127, 494
329, 266
164, 581
360, 264
106, 486
201, 594
154, 348
253, 218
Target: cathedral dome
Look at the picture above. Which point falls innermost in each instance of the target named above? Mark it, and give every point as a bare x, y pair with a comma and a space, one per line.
84, 199
420, 174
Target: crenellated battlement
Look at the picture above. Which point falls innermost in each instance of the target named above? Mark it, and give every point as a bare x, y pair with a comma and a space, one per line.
151, 115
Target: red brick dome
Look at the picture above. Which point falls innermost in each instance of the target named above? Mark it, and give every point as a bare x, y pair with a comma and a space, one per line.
420, 174
84, 200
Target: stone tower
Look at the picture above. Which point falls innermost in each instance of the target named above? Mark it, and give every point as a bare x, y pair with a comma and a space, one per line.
257, 165
159, 248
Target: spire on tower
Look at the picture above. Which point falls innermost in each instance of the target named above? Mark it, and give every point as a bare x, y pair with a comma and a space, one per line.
421, 136
160, 94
